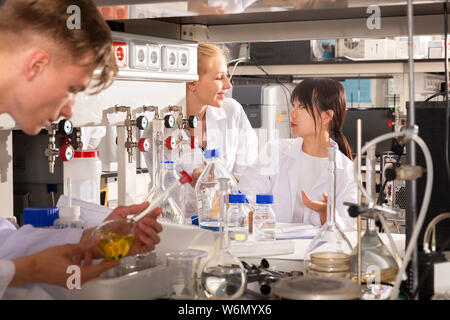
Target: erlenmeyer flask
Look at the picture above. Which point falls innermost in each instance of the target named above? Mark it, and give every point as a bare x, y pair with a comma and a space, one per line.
377, 263
207, 190
329, 252
223, 275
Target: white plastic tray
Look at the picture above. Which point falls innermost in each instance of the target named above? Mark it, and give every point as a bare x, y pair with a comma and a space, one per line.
147, 284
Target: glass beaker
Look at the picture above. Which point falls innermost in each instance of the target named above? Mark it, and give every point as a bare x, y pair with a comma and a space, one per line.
330, 242
182, 267
223, 275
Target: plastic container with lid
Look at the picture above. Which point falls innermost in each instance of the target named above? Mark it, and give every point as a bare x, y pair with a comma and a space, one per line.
85, 170
40, 217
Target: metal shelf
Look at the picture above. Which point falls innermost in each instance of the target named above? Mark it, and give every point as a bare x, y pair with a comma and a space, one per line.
351, 68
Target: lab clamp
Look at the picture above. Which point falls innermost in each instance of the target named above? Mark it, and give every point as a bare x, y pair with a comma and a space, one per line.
141, 123
66, 150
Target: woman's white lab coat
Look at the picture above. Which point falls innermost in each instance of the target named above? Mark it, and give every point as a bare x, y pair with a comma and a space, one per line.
227, 129
276, 172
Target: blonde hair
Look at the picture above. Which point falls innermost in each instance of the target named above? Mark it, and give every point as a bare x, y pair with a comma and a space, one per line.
205, 52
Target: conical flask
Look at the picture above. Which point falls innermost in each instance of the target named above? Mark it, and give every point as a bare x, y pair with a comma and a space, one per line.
207, 190
223, 275
329, 252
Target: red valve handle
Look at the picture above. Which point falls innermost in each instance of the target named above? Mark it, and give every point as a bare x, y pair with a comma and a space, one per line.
144, 145
66, 152
171, 143
194, 142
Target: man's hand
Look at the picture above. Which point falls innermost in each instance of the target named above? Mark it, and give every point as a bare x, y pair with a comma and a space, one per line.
146, 235
50, 265
318, 206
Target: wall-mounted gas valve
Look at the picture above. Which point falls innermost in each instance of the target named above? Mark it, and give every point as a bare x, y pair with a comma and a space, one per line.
181, 122
141, 123
52, 152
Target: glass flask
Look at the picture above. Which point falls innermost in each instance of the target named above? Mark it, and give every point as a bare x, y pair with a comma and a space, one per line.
377, 263
223, 275
330, 246
207, 190
237, 218
117, 235
264, 220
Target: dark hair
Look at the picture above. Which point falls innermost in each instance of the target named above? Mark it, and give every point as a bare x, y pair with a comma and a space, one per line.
91, 43
323, 94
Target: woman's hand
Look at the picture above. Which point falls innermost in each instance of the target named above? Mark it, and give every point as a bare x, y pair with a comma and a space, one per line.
195, 175
319, 206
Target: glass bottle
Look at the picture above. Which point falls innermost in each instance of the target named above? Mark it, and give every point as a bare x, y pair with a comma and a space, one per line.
264, 220
223, 275
173, 209
207, 190
329, 252
237, 218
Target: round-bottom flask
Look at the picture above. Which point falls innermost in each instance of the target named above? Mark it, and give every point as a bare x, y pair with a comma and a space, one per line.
377, 263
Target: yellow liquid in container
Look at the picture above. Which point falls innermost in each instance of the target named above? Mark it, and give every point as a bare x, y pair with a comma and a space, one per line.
114, 246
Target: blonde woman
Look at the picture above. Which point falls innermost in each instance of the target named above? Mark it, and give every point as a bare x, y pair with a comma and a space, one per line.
222, 122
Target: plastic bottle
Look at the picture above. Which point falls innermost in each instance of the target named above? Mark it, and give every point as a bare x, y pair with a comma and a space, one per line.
69, 217
237, 218
207, 190
85, 170
264, 220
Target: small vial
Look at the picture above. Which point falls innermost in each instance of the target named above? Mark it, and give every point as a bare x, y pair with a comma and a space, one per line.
264, 220
237, 218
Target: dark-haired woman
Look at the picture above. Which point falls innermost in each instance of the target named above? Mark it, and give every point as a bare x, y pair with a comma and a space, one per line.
295, 171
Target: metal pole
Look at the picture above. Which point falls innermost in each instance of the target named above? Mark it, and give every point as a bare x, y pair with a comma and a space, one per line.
358, 157
412, 190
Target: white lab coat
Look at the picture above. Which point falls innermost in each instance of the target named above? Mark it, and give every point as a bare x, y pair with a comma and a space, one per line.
25, 241
275, 174
227, 129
